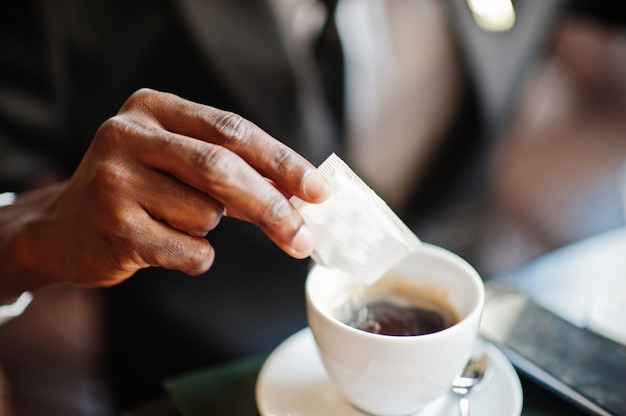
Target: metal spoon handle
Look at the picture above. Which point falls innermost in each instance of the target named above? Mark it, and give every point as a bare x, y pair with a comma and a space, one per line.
464, 406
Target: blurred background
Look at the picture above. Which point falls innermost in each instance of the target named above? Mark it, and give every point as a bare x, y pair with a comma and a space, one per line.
495, 128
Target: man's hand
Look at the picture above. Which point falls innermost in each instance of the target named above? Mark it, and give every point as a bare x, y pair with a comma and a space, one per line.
156, 179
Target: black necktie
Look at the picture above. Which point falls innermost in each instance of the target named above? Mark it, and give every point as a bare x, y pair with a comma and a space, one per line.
329, 56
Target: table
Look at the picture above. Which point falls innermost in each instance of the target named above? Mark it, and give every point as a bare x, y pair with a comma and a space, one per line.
228, 390
554, 280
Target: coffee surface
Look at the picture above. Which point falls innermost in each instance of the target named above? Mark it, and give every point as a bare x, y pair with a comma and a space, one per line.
394, 307
386, 318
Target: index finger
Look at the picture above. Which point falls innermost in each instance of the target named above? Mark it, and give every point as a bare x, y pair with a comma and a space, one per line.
276, 161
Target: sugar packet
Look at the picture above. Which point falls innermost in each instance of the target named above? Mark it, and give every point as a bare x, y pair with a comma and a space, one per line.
355, 231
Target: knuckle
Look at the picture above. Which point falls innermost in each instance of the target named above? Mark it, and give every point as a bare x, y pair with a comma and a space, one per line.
112, 129
213, 221
122, 221
276, 211
123, 231
199, 259
103, 182
119, 129
284, 160
200, 253
232, 129
141, 97
108, 176
209, 222
168, 254
124, 226
143, 101
217, 162
144, 92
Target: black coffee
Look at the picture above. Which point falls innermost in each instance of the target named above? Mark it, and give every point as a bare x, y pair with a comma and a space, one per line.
393, 307
382, 317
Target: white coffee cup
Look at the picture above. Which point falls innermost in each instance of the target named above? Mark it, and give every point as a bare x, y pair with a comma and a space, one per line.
396, 375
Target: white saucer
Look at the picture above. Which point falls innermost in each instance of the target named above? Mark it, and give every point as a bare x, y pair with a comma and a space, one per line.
293, 382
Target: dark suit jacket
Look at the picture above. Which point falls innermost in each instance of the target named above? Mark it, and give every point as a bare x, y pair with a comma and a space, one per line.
66, 66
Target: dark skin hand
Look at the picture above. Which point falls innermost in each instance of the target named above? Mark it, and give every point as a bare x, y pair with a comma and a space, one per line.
154, 182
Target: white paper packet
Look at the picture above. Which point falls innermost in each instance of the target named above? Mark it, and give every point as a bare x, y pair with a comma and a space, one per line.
355, 231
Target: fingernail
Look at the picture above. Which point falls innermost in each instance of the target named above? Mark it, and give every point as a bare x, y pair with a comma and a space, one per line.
315, 185
303, 242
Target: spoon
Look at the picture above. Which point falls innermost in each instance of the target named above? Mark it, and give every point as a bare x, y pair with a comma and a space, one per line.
472, 377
